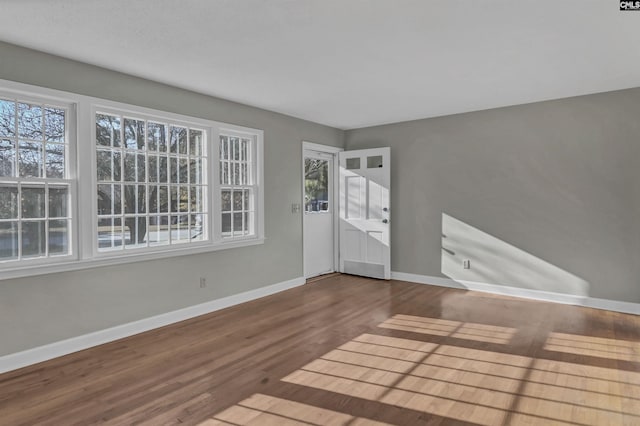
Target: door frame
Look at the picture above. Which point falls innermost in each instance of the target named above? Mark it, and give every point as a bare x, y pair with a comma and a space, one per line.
335, 215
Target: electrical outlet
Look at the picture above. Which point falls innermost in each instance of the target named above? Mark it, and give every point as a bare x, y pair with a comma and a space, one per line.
203, 282
295, 208
466, 264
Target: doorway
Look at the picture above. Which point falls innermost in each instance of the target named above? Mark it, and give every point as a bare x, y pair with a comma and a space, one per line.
319, 209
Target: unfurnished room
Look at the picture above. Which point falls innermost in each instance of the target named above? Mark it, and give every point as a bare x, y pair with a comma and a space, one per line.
319, 212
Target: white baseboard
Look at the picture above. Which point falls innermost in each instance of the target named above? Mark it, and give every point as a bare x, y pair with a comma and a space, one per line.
547, 296
75, 344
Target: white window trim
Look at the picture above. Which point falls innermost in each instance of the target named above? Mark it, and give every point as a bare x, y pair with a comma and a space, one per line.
82, 151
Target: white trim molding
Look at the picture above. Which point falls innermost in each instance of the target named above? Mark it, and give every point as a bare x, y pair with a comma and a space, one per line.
64, 347
547, 296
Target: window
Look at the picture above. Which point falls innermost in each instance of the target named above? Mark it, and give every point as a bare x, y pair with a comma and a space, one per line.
238, 185
35, 185
143, 184
151, 187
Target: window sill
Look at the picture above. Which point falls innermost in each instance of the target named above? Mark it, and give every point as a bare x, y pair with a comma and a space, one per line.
75, 265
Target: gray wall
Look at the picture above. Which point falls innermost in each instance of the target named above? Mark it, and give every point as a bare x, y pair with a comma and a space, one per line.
543, 196
43, 309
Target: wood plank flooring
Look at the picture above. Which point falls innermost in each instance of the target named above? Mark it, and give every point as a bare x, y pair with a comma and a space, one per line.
346, 350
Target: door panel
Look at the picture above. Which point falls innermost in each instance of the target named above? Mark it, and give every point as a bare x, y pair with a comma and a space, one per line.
364, 212
318, 213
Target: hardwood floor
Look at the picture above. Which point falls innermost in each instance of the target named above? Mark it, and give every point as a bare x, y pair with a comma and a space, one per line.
350, 351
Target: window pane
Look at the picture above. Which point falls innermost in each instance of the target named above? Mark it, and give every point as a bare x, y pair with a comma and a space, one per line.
33, 202
246, 143
8, 240
163, 199
197, 227
130, 167
173, 170
34, 239
173, 199
197, 203
226, 201
195, 171
178, 143
54, 126
7, 118
117, 166
247, 194
130, 195
248, 220
226, 223
58, 202
195, 142
8, 202
107, 130
153, 199
104, 165
237, 201
58, 237
135, 231
237, 222
163, 172
7, 157
224, 148
180, 228
141, 168
184, 198
224, 173
30, 159
109, 199
153, 168
236, 174
105, 199
157, 137
235, 148
141, 199
158, 230
244, 173
109, 233
316, 185
30, 121
55, 161
133, 134
184, 170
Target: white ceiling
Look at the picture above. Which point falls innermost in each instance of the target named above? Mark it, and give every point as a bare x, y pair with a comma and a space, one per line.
347, 63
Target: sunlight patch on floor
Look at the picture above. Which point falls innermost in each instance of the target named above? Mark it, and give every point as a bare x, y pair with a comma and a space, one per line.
265, 410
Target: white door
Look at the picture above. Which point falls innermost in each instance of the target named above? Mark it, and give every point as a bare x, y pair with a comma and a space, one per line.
364, 213
318, 213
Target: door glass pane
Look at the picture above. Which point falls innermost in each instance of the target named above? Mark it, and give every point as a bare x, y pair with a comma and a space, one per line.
353, 163
316, 185
374, 162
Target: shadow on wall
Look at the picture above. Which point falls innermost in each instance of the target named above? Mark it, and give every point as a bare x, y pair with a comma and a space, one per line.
496, 262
